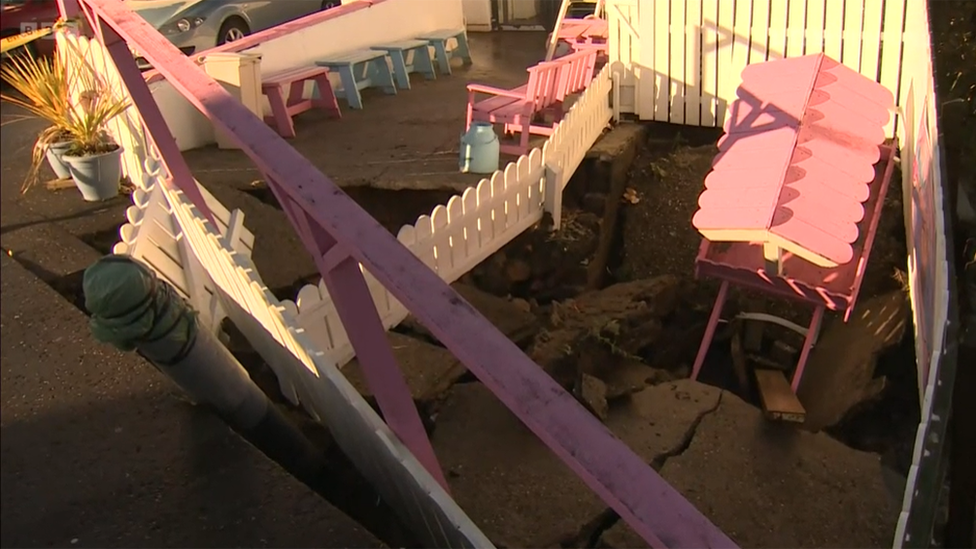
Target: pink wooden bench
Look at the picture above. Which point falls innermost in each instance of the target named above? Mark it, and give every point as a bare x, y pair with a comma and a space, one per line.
282, 110
517, 109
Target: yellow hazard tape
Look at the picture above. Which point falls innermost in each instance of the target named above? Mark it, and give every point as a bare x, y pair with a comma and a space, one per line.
14, 42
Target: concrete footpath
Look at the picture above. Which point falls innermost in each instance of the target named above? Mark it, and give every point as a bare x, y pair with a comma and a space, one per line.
98, 452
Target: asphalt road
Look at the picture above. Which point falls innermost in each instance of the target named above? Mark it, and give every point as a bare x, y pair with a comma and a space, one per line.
96, 449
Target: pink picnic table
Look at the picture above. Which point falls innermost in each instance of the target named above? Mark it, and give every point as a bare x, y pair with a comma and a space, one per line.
793, 201
584, 34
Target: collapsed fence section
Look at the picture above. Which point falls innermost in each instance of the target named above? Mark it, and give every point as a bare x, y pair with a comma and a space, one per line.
341, 236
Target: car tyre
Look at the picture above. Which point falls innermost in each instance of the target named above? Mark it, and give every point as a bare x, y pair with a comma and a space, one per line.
232, 30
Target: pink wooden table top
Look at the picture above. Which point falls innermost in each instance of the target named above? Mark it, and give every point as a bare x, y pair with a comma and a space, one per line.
833, 287
796, 160
583, 29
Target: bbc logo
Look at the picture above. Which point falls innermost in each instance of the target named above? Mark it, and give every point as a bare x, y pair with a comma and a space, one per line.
32, 26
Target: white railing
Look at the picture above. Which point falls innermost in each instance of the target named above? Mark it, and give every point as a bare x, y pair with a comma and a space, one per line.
455, 237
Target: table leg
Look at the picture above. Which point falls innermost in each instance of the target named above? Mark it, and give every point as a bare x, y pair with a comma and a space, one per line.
399, 59
812, 333
723, 293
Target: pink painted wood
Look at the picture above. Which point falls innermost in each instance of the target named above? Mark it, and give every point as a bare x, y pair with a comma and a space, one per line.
583, 30
645, 501
835, 288
796, 158
549, 84
283, 111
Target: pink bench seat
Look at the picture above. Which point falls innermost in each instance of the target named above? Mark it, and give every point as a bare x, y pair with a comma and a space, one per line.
283, 110
518, 109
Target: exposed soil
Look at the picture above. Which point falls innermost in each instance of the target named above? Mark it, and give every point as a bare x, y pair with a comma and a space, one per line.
393, 209
659, 239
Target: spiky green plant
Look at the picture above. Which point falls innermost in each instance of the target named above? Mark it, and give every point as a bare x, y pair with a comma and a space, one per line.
45, 88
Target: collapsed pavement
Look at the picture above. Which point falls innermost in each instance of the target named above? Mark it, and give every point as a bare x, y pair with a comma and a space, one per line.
765, 484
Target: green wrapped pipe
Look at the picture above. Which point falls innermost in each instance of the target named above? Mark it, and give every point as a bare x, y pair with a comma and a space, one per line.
131, 308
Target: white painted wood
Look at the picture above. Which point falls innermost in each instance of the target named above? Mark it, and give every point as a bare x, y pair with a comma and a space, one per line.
796, 28
834, 30
759, 32
692, 47
676, 62
778, 21
693, 62
853, 24
624, 46
725, 84
871, 39
708, 62
816, 10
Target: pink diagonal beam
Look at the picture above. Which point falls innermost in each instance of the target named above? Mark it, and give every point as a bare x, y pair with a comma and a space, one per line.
652, 507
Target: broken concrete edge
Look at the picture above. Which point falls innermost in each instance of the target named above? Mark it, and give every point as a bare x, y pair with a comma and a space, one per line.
617, 149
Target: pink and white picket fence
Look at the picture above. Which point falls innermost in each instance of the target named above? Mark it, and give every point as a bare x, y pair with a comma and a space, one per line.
451, 240
457, 236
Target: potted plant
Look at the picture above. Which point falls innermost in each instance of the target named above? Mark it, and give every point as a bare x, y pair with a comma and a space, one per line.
42, 88
93, 157
78, 136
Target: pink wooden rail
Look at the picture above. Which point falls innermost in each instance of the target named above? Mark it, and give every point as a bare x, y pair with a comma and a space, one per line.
340, 235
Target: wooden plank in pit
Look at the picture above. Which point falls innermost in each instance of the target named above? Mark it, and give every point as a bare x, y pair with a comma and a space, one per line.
778, 400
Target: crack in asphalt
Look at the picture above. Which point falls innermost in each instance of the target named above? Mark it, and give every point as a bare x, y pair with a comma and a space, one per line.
658, 462
594, 529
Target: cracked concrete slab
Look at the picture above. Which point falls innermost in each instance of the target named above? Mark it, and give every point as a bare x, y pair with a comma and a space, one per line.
516, 323
510, 484
516, 490
657, 421
429, 371
773, 485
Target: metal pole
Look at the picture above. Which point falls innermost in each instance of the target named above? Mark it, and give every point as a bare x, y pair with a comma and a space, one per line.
132, 309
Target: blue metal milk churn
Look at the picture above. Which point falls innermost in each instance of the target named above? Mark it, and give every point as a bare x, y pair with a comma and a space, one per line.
479, 149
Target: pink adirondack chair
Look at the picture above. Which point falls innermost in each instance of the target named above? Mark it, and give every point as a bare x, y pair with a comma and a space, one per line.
516, 109
576, 71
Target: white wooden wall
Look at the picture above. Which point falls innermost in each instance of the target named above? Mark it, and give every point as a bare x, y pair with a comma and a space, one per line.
686, 56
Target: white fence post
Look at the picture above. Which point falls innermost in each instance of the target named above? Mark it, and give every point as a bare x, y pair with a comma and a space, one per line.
554, 193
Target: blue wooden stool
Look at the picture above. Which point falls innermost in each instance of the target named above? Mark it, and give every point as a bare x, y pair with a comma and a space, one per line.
409, 56
438, 39
358, 70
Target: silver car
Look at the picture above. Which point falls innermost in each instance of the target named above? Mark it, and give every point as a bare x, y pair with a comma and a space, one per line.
197, 25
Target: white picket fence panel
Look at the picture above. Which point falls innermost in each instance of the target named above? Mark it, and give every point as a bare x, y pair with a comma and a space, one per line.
685, 57
150, 233
566, 148
457, 236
